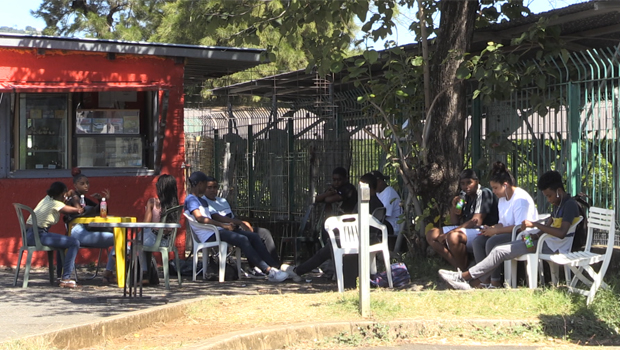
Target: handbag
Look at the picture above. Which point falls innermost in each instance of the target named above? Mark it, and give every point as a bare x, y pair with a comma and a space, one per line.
400, 277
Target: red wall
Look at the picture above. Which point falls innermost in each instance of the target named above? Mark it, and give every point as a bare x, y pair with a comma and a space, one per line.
128, 194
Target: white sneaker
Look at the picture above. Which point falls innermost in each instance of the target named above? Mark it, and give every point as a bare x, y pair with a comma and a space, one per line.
254, 273
290, 270
455, 279
276, 275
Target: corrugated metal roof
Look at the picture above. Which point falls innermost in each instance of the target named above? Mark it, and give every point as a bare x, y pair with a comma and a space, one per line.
201, 62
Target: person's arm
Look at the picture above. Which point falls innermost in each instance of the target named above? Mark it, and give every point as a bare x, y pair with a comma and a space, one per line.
68, 210
148, 209
206, 220
570, 212
104, 194
330, 196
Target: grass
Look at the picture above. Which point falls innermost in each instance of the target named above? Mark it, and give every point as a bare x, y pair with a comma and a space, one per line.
547, 316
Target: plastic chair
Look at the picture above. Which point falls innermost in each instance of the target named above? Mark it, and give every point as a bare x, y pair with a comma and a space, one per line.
582, 261
170, 247
37, 247
531, 259
379, 213
197, 245
349, 243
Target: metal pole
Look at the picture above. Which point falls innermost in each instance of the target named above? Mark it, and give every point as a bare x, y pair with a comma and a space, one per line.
364, 255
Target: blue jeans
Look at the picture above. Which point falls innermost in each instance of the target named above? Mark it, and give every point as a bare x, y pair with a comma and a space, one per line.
56, 240
251, 245
95, 239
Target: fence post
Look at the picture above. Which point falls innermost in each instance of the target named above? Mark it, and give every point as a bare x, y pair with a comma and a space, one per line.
216, 158
290, 157
363, 221
250, 170
573, 168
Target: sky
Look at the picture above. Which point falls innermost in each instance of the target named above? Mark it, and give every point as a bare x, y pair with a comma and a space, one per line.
16, 13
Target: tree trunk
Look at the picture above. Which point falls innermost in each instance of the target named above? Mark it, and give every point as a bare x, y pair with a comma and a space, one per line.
438, 178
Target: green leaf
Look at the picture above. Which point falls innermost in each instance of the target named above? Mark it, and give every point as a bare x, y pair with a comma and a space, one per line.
463, 72
371, 56
417, 61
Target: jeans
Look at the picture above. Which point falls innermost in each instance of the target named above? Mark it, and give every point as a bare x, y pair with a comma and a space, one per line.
95, 239
56, 240
251, 245
148, 240
267, 238
498, 255
483, 246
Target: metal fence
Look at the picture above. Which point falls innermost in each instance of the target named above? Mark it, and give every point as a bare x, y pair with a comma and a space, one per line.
270, 161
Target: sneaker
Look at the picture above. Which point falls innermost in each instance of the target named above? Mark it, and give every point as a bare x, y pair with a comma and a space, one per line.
290, 270
276, 275
487, 286
455, 279
254, 273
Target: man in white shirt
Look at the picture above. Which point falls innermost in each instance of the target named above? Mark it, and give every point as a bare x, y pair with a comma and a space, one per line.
391, 201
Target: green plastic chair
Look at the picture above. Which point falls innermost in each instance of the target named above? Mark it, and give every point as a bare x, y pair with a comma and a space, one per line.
37, 247
165, 250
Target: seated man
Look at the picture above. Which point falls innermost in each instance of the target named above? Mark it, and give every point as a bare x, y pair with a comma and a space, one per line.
250, 243
453, 242
565, 213
341, 191
391, 201
220, 210
326, 252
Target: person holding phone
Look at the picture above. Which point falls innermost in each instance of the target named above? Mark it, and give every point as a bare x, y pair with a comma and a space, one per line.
453, 242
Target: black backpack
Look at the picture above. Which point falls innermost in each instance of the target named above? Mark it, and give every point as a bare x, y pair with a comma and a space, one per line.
581, 233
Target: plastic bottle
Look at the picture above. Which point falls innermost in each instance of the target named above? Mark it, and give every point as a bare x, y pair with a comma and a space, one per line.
528, 241
460, 204
103, 208
82, 201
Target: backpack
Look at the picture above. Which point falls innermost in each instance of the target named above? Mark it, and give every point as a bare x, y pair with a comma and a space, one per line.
581, 232
400, 277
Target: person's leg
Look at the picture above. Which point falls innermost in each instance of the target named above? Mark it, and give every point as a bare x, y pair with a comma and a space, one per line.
498, 255
148, 239
457, 245
243, 242
434, 237
93, 239
316, 260
71, 245
479, 248
259, 247
267, 238
493, 242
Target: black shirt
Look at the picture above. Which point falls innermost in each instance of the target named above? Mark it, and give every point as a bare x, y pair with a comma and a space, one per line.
484, 202
348, 192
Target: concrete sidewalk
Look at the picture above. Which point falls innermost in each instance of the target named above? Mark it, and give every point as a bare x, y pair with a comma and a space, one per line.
42, 308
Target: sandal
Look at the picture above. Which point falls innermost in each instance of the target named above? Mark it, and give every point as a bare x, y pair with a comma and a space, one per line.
68, 284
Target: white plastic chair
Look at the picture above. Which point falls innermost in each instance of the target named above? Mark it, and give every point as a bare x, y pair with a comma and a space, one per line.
531, 259
349, 243
578, 262
204, 246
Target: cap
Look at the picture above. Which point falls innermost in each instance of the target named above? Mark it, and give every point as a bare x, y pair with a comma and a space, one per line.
198, 176
379, 176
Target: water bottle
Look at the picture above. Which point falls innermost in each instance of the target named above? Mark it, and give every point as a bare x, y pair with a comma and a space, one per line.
529, 243
103, 208
460, 204
82, 201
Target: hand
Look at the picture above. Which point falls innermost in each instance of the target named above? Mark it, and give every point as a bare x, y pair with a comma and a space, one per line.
527, 223
247, 227
475, 221
80, 210
488, 231
228, 226
455, 200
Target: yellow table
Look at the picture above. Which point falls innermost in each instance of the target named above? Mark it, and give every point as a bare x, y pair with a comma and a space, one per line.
119, 240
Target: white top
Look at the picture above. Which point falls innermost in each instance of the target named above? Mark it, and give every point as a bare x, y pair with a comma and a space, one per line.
219, 206
391, 201
520, 207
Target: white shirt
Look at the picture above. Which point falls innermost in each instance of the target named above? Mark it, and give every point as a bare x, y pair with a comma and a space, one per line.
520, 207
391, 201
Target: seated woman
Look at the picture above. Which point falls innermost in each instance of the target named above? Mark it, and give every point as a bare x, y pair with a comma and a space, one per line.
249, 242
565, 212
167, 197
221, 211
89, 237
514, 206
48, 213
